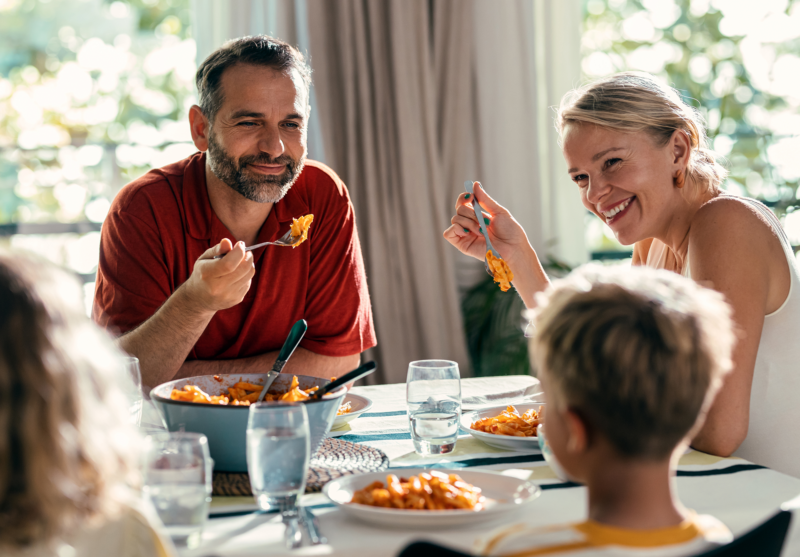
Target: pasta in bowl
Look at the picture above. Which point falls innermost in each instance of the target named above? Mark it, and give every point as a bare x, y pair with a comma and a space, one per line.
225, 425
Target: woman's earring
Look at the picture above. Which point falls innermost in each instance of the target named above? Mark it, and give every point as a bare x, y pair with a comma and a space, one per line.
680, 180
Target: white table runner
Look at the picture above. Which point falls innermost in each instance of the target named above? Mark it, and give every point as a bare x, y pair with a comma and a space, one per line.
739, 493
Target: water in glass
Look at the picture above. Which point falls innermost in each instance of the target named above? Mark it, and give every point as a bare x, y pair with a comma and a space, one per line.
182, 508
433, 393
177, 480
277, 453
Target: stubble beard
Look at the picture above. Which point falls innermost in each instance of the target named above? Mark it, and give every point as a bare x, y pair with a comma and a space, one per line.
261, 188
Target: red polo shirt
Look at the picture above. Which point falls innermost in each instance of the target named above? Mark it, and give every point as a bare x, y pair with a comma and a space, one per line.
161, 223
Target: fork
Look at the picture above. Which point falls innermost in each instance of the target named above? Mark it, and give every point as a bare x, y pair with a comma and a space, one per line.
312, 526
479, 215
285, 240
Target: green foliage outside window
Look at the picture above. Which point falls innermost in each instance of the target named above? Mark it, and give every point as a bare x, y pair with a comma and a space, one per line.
737, 61
92, 94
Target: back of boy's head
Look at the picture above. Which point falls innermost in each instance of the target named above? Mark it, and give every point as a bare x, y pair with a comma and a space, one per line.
638, 353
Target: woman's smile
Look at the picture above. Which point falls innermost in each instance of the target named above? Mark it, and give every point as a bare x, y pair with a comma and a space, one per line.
617, 211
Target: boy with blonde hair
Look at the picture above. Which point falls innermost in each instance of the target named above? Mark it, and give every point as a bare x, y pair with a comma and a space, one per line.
630, 361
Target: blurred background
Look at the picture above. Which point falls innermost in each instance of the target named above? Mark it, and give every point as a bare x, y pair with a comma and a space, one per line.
94, 93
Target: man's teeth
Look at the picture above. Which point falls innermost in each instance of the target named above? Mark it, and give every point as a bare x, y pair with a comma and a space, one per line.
617, 209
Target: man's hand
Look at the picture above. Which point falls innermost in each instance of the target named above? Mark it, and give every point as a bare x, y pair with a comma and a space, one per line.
162, 342
217, 284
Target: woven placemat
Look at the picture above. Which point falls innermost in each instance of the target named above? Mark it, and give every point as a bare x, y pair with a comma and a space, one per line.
335, 458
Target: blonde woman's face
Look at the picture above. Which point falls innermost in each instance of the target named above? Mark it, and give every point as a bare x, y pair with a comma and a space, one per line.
623, 178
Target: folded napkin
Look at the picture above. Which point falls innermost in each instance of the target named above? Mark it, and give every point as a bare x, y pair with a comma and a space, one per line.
486, 392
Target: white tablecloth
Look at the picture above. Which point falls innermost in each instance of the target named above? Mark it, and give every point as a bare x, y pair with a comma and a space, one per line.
737, 492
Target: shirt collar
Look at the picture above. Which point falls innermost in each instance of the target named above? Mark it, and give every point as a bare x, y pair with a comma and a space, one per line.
195, 198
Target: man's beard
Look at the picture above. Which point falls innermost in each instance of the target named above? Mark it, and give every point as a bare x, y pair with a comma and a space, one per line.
261, 188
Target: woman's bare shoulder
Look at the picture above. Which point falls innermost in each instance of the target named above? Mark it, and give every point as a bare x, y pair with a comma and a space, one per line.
730, 235
730, 218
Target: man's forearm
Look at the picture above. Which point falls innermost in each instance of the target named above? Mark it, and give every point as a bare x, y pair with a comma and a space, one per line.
162, 342
302, 362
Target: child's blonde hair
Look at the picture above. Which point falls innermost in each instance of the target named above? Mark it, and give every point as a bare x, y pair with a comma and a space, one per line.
66, 445
639, 353
637, 102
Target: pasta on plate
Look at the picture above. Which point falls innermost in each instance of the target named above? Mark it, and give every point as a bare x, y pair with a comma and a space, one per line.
511, 423
429, 491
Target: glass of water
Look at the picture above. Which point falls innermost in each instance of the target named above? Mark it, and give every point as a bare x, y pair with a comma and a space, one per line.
433, 393
277, 453
177, 479
134, 390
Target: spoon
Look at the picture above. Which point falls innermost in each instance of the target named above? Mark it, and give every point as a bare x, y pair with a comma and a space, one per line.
354, 375
285, 240
294, 338
479, 215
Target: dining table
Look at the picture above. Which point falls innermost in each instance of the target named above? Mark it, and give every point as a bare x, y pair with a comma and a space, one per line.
741, 494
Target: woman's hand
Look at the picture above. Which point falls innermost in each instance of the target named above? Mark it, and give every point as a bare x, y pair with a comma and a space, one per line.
505, 233
507, 237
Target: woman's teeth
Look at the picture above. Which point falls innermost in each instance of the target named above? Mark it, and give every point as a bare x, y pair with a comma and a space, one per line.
617, 209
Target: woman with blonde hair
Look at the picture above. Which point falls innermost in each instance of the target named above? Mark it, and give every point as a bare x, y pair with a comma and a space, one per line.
67, 451
640, 159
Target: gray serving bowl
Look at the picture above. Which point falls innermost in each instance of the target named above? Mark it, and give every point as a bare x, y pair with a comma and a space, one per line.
226, 426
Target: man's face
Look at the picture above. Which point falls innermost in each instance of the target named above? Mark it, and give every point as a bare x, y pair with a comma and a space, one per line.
257, 141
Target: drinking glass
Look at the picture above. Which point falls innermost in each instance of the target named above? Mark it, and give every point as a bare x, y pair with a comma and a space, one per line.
177, 479
134, 390
433, 392
277, 453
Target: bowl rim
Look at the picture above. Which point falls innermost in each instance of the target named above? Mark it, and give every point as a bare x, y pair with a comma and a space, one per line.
338, 393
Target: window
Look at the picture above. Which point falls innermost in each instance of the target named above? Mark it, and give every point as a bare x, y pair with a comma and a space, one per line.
738, 61
93, 94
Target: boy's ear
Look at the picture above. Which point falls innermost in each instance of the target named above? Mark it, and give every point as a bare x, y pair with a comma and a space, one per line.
577, 432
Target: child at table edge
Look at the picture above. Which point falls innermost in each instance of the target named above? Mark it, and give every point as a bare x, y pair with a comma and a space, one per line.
629, 361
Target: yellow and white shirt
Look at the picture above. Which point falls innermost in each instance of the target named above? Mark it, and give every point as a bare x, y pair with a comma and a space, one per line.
694, 535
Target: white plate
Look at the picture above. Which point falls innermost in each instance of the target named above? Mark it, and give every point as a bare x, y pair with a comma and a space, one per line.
527, 444
359, 405
504, 494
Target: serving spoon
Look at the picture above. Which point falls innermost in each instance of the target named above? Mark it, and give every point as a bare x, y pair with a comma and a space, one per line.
479, 215
294, 338
358, 373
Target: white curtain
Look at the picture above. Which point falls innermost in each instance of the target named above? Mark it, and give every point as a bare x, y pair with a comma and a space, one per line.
216, 21
412, 97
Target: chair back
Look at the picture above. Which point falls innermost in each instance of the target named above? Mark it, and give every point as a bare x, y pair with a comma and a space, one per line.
765, 540
427, 549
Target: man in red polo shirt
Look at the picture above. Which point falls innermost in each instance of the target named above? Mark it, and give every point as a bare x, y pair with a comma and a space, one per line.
184, 313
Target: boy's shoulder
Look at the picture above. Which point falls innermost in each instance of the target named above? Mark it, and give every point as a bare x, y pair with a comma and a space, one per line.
522, 539
696, 534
